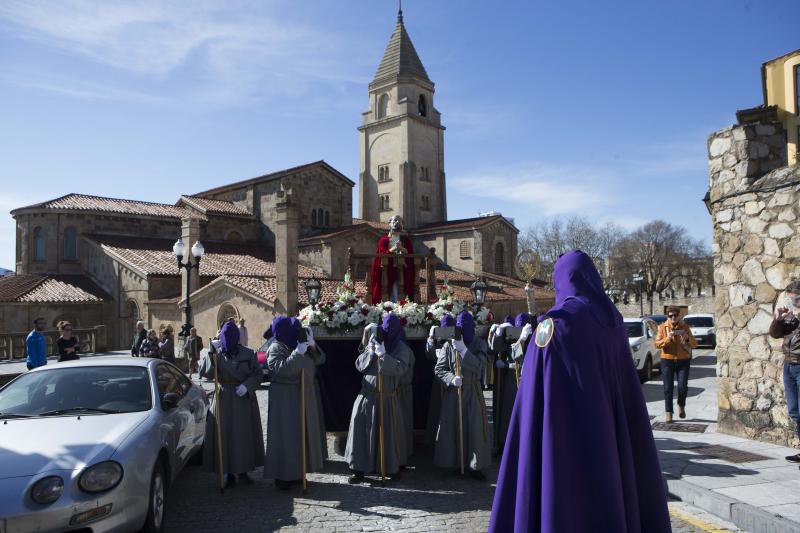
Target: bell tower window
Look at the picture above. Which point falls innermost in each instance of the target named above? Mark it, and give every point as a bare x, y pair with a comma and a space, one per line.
423, 106
383, 173
383, 105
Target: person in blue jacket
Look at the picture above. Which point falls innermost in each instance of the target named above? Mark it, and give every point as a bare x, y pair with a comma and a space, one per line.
35, 346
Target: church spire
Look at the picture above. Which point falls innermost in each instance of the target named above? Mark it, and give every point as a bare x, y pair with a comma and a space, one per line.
400, 57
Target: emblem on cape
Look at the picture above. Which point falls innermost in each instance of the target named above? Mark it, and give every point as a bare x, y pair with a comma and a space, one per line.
544, 332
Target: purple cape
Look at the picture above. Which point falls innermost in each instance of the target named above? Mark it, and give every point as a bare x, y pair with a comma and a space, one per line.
579, 454
285, 331
465, 321
393, 332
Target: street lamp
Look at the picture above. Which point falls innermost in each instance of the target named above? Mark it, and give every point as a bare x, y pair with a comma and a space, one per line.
479, 289
197, 252
639, 278
313, 290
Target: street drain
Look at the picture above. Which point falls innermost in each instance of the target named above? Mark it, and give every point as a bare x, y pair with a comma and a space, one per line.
726, 453
680, 427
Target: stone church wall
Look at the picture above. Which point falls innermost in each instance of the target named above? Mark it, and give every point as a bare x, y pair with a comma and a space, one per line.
756, 247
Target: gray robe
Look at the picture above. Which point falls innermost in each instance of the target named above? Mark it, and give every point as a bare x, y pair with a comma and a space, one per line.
405, 397
284, 458
319, 358
242, 437
505, 391
363, 445
477, 446
435, 403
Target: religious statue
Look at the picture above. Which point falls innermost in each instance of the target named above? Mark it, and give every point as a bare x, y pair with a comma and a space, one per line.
396, 243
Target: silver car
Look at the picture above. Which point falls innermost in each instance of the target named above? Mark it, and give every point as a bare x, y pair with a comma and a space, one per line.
93, 445
642, 339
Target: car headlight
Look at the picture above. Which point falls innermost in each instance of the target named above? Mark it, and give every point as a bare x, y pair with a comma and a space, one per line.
101, 477
47, 490
711, 331
636, 347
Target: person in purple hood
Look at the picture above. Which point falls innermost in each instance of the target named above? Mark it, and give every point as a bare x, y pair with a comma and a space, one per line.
433, 349
468, 355
579, 454
362, 451
241, 435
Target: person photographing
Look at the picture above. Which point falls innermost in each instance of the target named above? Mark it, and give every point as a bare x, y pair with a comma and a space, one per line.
676, 342
786, 326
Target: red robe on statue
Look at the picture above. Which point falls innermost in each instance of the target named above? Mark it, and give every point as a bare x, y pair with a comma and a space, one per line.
409, 272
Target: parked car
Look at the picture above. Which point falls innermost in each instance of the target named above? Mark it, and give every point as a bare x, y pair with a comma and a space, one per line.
702, 326
261, 354
94, 445
642, 338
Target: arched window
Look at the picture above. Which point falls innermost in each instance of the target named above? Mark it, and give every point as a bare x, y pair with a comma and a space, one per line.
227, 311
320, 217
38, 244
423, 106
234, 236
314, 217
383, 105
70, 244
499, 258
327, 219
464, 250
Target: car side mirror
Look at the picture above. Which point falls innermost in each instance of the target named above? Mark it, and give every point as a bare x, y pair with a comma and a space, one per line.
170, 400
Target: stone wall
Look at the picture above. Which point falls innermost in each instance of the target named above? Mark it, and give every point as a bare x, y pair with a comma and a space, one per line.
756, 247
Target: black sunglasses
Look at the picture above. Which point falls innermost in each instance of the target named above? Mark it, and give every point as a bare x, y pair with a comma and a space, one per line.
672, 315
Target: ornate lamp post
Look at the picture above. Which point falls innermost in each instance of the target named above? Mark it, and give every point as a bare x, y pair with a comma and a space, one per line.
197, 252
479, 289
639, 278
313, 289
531, 298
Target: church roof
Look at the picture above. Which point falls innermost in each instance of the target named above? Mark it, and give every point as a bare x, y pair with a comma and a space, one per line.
38, 288
400, 57
85, 202
215, 207
463, 223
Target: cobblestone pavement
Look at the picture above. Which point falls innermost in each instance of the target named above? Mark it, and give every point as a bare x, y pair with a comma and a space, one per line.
425, 499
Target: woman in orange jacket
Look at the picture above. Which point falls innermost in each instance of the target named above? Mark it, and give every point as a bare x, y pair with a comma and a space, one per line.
676, 342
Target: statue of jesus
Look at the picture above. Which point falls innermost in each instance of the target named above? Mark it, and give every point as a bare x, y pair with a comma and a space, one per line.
395, 243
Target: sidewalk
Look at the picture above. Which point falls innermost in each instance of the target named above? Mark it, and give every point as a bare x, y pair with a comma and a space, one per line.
11, 369
746, 482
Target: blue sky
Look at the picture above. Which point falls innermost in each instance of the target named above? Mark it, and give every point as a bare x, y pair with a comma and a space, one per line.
595, 108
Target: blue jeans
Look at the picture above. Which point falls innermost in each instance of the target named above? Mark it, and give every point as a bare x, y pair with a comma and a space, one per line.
791, 386
669, 368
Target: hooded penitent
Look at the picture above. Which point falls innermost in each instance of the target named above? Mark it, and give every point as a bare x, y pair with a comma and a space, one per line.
467, 325
447, 321
229, 338
285, 331
393, 332
579, 454
522, 319
509, 319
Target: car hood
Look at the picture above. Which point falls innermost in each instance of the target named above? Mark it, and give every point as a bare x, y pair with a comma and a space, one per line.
635, 340
34, 445
700, 331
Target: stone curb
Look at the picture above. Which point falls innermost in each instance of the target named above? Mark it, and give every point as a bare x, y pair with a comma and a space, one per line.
746, 516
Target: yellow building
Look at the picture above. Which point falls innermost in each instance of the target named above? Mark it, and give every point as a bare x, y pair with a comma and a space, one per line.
781, 82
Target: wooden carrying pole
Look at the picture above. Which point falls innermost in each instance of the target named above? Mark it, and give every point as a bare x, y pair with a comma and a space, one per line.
218, 422
381, 435
460, 415
303, 425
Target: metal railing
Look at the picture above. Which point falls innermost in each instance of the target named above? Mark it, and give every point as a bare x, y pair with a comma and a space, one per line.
12, 345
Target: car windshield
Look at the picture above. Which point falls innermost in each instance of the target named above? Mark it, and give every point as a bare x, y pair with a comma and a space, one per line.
84, 390
634, 329
699, 321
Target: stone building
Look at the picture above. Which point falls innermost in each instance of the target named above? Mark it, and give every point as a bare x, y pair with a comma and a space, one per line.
106, 261
754, 200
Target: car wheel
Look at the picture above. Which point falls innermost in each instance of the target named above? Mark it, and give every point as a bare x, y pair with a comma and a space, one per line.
647, 370
157, 508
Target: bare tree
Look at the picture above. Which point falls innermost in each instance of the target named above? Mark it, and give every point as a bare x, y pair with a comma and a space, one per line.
664, 254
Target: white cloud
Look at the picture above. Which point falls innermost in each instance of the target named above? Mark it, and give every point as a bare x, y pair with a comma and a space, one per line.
237, 51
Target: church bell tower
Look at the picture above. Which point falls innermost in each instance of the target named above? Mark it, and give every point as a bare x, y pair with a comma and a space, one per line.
402, 141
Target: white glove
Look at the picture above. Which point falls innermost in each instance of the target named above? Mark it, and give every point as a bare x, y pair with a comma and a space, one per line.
241, 390
493, 328
503, 326
430, 334
380, 350
457, 381
310, 337
527, 331
216, 345
429, 344
459, 345
301, 347
499, 363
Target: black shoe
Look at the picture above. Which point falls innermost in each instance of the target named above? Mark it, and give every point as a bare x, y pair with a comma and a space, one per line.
230, 481
283, 485
793, 458
477, 475
356, 478
246, 479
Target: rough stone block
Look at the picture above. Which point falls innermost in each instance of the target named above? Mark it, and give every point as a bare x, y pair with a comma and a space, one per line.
759, 348
740, 403
764, 293
746, 386
759, 324
740, 294
719, 146
755, 225
771, 247
780, 230
752, 273
779, 275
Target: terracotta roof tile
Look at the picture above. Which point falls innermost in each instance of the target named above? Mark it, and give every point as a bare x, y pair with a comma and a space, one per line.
84, 202
215, 207
265, 287
373, 223
457, 224
36, 288
341, 230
